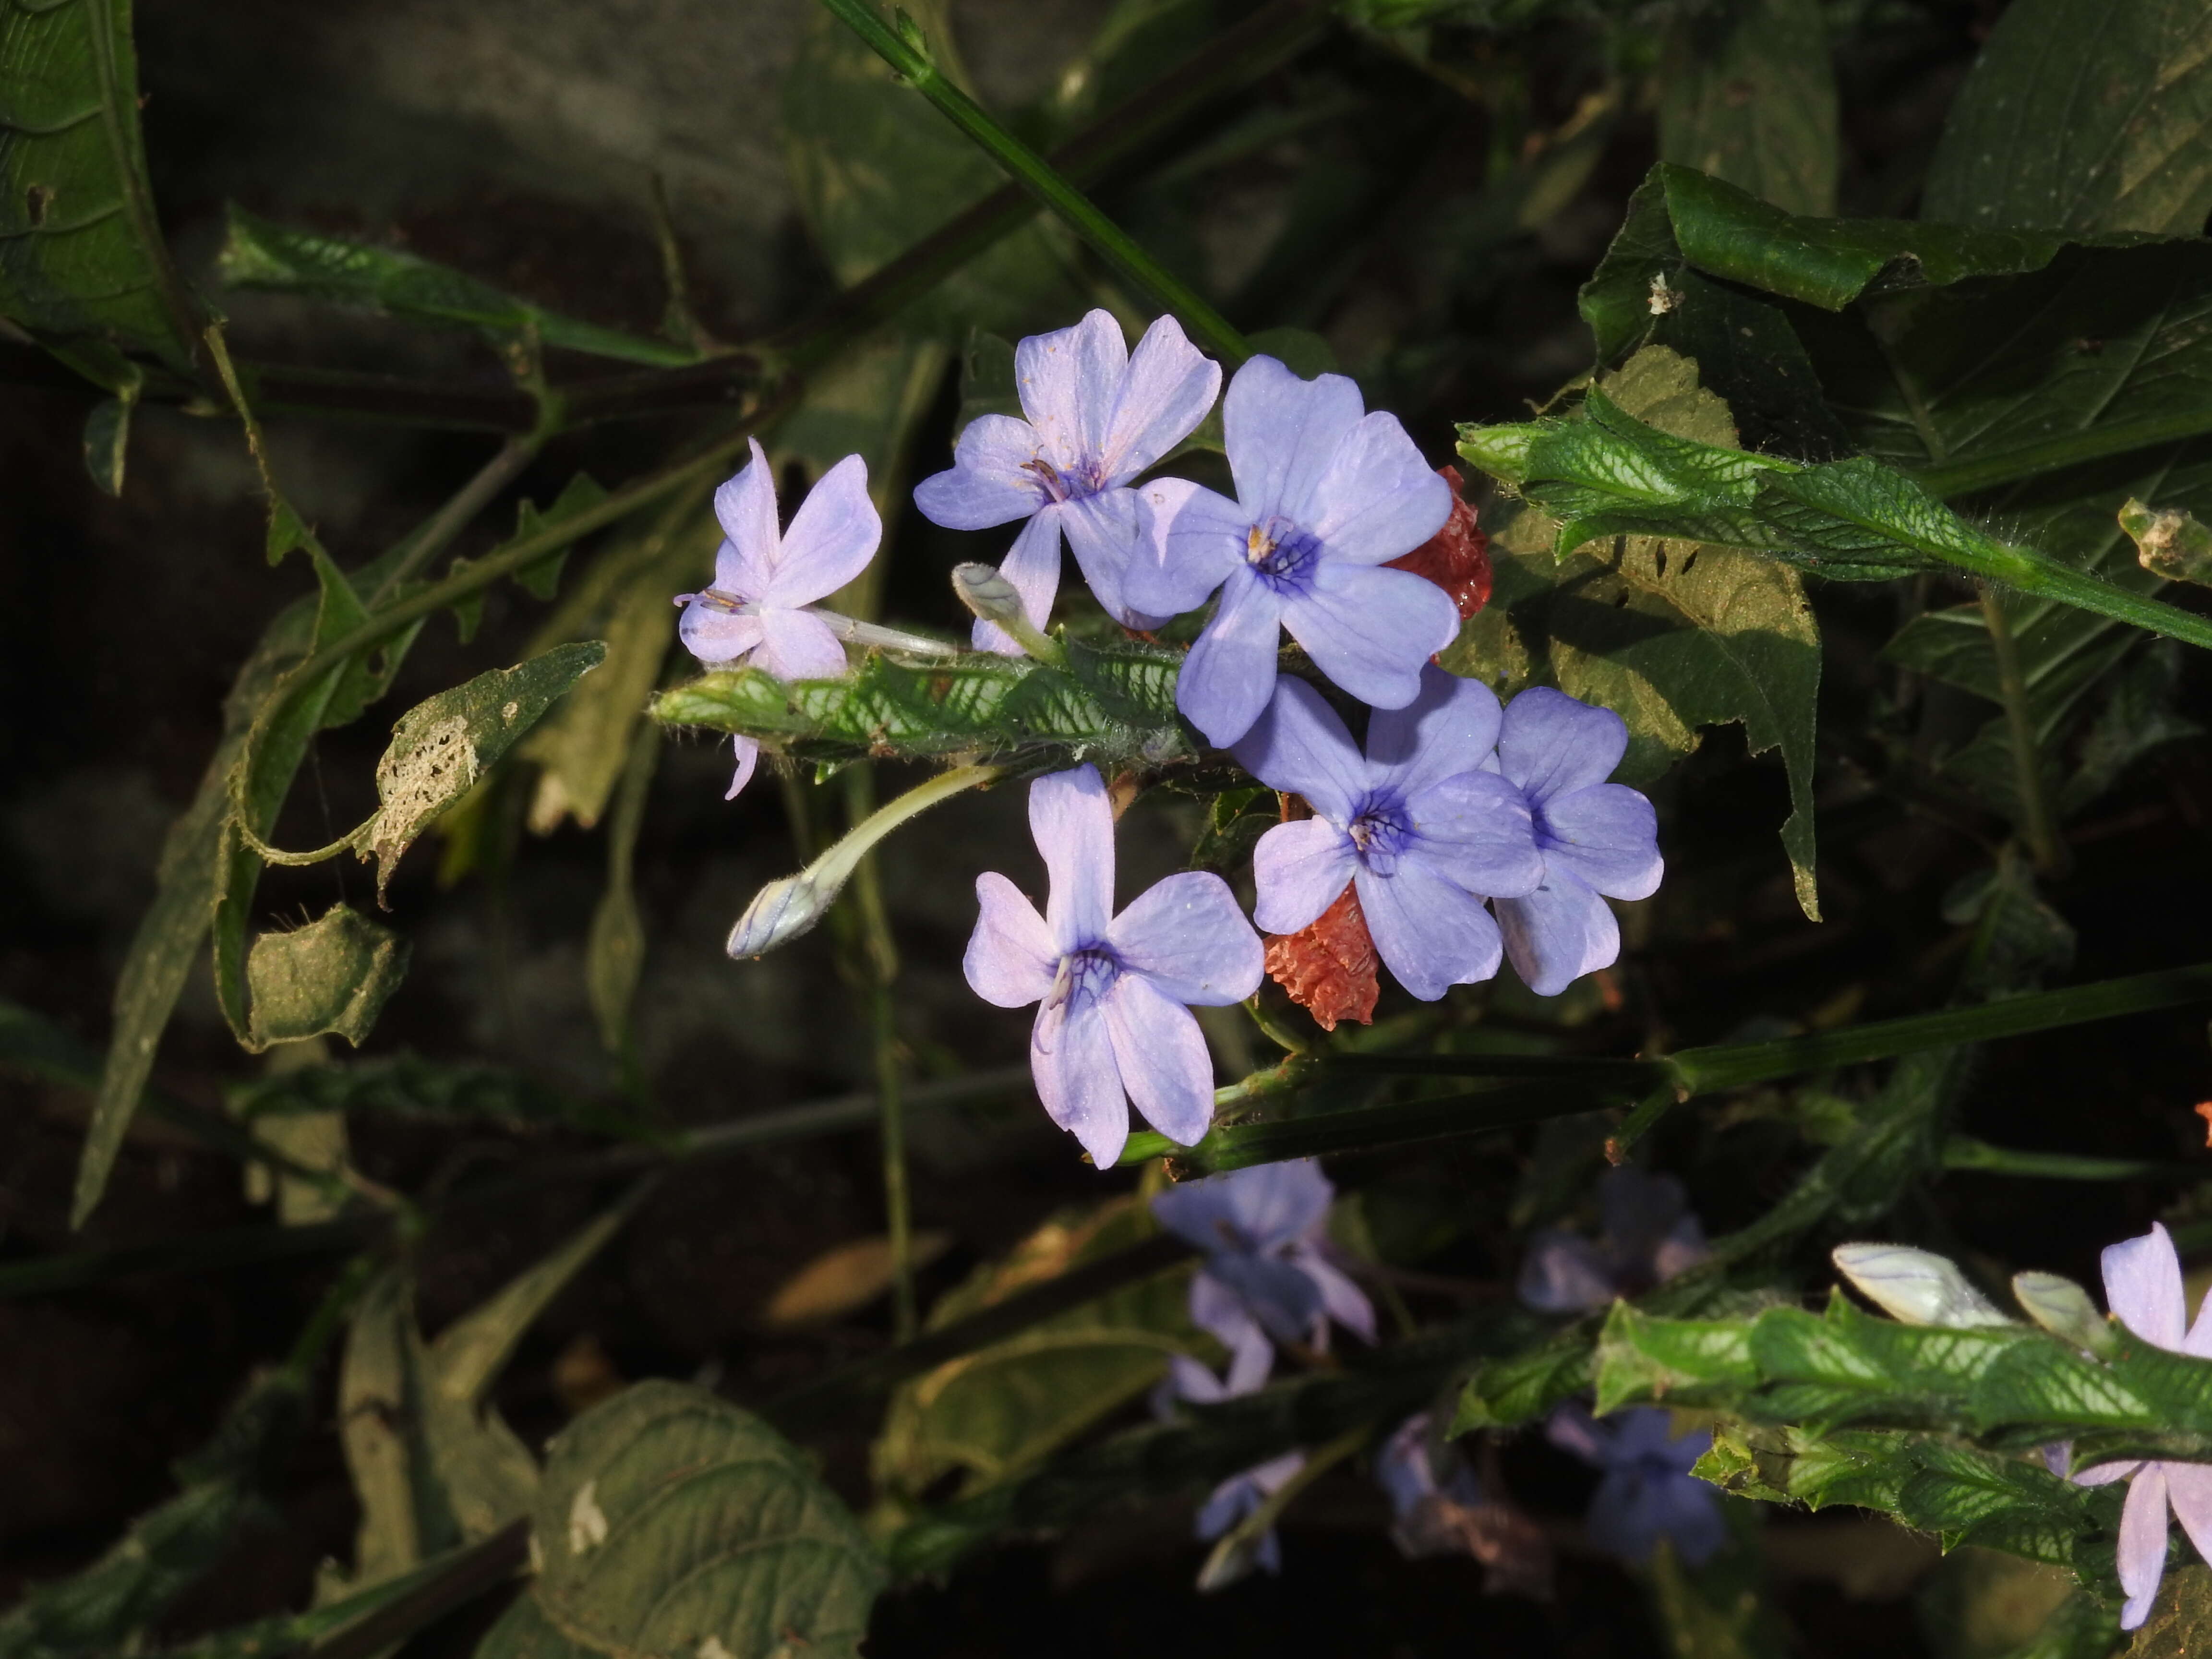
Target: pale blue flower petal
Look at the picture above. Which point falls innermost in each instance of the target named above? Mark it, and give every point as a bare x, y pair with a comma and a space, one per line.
2142, 1287
1222, 1313
1162, 1057
1450, 728
1072, 1060
1551, 744
1300, 869
1563, 1272
1558, 933
1069, 381
1032, 565
2142, 1544
746, 506
716, 636
1260, 1208
1284, 1300
1608, 835
1341, 1299
1475, 831
1104, 532
796, 646
1370, 630
832, 537
1301, 747
1073, 827
1191, 540
1378, 500
1010, 960
748, 753
1226, 679
1168, 389
1281, 433
1430, 933
989, 482
1186, 935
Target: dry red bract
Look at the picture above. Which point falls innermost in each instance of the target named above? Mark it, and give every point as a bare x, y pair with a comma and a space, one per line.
1457, 557
1329, 968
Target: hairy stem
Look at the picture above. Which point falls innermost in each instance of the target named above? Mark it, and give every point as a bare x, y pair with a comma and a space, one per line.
2039, 823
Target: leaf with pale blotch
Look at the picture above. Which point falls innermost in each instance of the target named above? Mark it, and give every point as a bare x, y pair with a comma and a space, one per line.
334, 975
992, 1413
673, 1525
1747, 94
440, 747
2082, 115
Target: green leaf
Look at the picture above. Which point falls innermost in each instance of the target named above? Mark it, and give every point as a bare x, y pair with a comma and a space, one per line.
82, 265
1747, 94
2081, 116
258, 254
670, 1524
1674, 635
2180, 1622
409, 1087
1114, 703
334, 974
104, 1608
107, 434
991, 1414
875, 169
441, 746
524, 1631
579, 496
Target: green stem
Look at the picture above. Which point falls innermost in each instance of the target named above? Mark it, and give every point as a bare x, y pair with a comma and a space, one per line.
878, 968
2045, 578
1964, 1153
1235, 1555
2038, 821
906, 52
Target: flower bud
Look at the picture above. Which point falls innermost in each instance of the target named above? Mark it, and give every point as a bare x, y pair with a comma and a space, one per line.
2063, 1309
1918, 1287
984, 589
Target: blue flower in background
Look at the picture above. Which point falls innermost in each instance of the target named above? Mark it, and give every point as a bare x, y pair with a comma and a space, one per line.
2143, 1286
1599, 840
1325, 494
1405, 1470
1114, 1022
1647, 1235
1416, 824
1242, 1494
756, 612
1648, 1491
1097, 417
1268, 1272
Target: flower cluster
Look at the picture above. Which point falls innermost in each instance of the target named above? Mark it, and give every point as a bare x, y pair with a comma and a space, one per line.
1268, 1276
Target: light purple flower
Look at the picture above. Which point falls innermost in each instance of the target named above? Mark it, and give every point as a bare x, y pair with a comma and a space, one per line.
1647, 1235
1326, 493
1097, 417
1405, 1470
1416, 824
1240, 1495
756, 613
1597, 838
1116, 1023
1648, 1491
1267, 1270
2142, 1285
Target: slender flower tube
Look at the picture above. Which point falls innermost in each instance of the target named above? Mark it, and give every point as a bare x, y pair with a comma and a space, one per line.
1326, 493
1416, 824
1097, 416
756, 612
1268, 1271
1599, 840
2142, 1285
1114, 1023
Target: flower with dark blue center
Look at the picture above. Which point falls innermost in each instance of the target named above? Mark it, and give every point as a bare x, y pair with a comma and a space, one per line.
1647, 1493
1598, 840
1326, 494
1268, 1272
1115, 992
1097, 417
1417, 824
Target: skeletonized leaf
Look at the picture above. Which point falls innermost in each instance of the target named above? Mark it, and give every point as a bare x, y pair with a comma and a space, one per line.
334, 974
673, 1524
1748, 94
2082, 115
441, 746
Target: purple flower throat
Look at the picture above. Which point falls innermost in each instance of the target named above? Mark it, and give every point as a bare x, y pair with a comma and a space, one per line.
1279, 550
1074, 485
1083, 977
1380, 831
